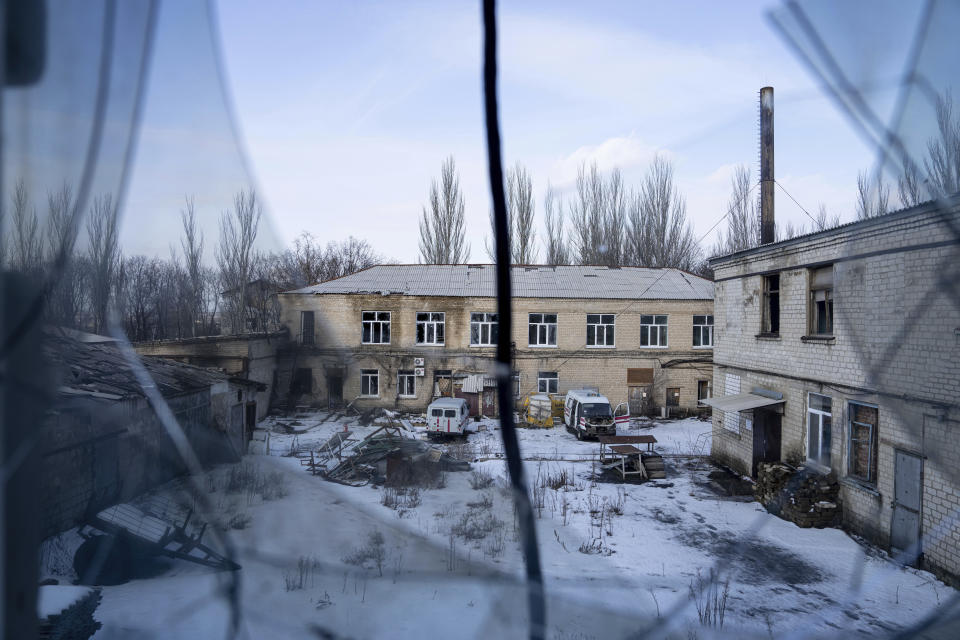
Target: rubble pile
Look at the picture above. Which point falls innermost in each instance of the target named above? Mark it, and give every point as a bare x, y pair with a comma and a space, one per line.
801, 495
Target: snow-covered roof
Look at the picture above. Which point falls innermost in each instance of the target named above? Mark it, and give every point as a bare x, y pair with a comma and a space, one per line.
479, 280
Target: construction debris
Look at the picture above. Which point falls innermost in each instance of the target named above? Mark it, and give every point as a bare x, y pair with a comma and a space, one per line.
801, 495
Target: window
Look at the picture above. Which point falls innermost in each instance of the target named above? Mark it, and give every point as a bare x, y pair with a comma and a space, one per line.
369, 382
600, 330
703, 331
483, 329
547, 382
406, 384
673, 397
821, 301
430, 327
376, 327
306, 327
771, 304
703, 390
862, 450
543, 330
818, 429
653, 331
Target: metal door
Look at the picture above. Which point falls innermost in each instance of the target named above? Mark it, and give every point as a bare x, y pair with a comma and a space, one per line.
905, 527
639, 397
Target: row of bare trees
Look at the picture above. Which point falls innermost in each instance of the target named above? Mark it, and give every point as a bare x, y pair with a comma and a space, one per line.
155, 298
604, 222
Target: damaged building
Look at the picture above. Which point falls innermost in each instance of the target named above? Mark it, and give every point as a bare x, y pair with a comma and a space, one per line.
839, 351
104, 442
399, 335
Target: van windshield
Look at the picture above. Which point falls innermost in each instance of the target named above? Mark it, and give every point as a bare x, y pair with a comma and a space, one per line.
597, 410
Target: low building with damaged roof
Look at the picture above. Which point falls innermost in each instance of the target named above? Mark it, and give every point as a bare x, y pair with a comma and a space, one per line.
104, 440
400, 335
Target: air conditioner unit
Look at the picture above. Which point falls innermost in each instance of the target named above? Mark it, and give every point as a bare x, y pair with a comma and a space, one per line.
418, 362
418, 371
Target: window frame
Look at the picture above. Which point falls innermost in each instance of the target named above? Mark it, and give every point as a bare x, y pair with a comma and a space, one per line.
662, 331
366, 375
489, 321
548, 377
313, 328
769, 295
701, 329
821, 416
545, 326
820, 285
873, 461
609, 330
438, 327
379, 322
709, 386
403, 376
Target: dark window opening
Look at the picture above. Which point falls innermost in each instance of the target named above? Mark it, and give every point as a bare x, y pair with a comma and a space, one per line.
771, 304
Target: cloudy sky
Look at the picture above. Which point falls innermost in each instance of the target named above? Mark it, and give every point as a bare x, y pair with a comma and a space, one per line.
344, 112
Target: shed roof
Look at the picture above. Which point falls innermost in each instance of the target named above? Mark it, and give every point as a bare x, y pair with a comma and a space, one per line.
100, 369
479, 280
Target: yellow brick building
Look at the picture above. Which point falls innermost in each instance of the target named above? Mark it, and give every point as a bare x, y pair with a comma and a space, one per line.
399, 335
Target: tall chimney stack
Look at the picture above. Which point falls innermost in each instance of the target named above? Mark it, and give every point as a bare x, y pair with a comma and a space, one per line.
767, 227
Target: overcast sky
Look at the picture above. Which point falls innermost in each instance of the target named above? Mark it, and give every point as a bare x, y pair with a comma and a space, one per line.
346, 112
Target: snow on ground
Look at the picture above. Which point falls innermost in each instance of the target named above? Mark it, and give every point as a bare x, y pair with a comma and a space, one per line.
617, 557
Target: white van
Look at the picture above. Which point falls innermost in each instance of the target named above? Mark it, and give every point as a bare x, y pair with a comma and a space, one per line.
447, 416
588, 414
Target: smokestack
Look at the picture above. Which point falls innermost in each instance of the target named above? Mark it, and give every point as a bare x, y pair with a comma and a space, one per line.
767, 228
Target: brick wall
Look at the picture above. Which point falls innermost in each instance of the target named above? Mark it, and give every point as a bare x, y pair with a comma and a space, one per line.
895, 345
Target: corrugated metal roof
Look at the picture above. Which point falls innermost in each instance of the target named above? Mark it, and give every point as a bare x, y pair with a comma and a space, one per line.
592, 282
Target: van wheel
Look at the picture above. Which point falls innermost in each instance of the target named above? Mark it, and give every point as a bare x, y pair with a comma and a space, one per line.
579, 435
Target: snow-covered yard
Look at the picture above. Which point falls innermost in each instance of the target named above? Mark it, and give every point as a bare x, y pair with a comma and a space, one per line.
445, 562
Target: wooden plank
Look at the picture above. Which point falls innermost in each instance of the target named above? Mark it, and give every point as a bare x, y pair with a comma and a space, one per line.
645, 439
625, 449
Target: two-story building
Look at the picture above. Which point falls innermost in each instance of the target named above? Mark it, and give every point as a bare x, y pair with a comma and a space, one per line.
400, 335
840, 350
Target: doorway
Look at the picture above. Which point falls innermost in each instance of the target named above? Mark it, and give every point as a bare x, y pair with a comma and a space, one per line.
907, 485
251, 423
334, 390
766, 438
639, 399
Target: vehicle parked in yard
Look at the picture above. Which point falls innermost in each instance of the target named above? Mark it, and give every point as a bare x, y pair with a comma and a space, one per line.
447, 417
589, 414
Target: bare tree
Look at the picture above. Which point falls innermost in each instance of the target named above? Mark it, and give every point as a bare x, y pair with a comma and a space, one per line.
909, 186
664, 212
238, 232
443, 226
825, 220
103, 254
743, 216
872, 199
520, 209
192, 245
65, 302
586, 212
555, 244
614, 221
942, 164
26, 255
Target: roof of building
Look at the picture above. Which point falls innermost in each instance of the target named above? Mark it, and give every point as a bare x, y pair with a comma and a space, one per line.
479, 280
101, 370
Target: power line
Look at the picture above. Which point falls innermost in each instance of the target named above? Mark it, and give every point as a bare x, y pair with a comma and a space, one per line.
816, 224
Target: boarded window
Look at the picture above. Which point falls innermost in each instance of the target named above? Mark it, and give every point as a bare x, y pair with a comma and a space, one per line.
862, 462
673, 397
640, 376
306, 327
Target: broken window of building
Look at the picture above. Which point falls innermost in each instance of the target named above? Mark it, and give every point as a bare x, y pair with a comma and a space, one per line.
819, 420
547, 382
771, 304
406, 383
703, 331
673, 397
430, 327
821, 301
376, 327
600, 330
543, 330
862, 462
653, 331
703, 389
306, 327
483, 329
370, 382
